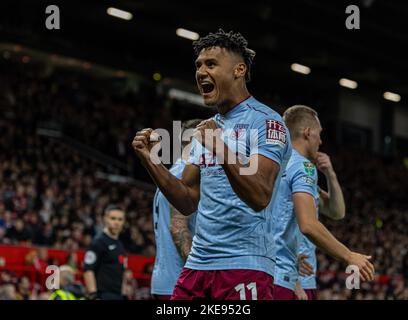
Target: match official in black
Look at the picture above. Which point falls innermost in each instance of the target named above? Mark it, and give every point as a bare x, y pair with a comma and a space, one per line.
105, 259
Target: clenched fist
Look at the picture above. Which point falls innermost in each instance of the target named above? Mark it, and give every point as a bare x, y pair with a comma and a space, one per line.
144, 141
324, 164
208, 134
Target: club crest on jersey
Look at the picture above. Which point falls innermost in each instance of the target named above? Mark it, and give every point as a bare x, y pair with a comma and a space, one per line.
239, 130
309, 168
275, 132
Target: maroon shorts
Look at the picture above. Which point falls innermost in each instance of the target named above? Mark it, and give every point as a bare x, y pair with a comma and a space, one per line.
311, 294
160, 297
234, 284
282, 293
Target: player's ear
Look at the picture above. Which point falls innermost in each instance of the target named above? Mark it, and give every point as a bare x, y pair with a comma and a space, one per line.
306, 133
240, 70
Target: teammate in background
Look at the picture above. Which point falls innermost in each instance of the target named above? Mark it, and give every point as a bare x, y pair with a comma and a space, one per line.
299, 200
105, 261
231, 254
173, 232
306, 287
332, 205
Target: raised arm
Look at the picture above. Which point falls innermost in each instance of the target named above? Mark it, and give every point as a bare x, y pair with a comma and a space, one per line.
253, 182
183, 194
331, 203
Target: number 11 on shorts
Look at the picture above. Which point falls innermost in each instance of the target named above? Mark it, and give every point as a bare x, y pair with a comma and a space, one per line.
242, 294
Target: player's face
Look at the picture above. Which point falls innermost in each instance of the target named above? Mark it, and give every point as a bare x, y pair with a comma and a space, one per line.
114, 221
215, 75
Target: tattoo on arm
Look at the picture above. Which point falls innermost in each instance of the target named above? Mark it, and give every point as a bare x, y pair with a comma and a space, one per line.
180, 232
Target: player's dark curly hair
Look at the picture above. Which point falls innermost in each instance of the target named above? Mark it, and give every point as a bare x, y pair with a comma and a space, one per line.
231, 41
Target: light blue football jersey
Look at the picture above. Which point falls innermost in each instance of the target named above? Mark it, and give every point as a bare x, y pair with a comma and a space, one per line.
229, 234
168, 262
308, 248
300, 176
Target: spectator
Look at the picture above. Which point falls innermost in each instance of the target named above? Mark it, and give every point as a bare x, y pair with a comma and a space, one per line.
23, 289
8, 292
69, 290
19, 232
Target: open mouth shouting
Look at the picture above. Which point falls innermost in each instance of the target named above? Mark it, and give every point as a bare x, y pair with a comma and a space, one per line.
207, 88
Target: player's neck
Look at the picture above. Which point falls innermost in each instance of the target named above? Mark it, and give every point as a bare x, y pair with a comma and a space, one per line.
236, 99
110, 235
300, 148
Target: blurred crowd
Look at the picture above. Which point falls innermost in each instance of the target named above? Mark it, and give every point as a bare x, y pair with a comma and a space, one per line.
17, 287
49, 193
375, 224
51, 197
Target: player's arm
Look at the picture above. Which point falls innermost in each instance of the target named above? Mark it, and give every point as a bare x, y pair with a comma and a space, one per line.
90, 282
254, 189
316, 232
180, 232
183, 194
331, 203
304, 267
253, 182
300, 292
92, 262
124, 280
123, 287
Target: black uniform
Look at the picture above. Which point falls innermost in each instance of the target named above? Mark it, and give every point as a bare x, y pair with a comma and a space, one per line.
106, 258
